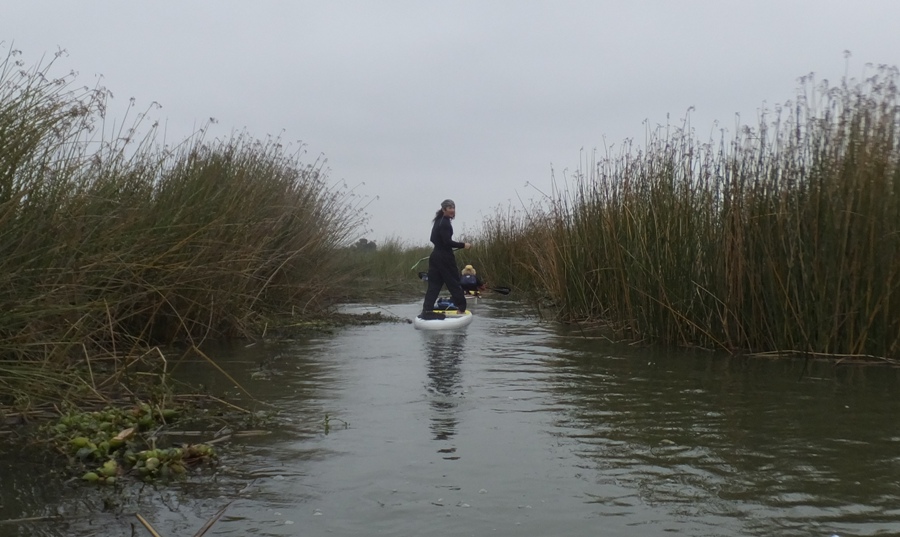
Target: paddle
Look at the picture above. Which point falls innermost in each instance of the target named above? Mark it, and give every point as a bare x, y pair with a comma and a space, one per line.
502, 290
417, 263
426, 257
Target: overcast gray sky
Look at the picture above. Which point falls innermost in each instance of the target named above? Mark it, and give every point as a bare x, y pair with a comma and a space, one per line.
414, 101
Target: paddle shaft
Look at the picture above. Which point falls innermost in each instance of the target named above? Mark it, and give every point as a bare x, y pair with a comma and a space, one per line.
426, 257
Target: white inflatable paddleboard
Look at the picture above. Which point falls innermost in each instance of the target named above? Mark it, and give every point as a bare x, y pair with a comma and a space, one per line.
451, 320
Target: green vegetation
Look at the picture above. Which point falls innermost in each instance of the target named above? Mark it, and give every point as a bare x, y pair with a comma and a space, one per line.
107, 445
112, 245
784, 239
384, 271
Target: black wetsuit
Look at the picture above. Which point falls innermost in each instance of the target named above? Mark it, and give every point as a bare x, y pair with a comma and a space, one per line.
442, 269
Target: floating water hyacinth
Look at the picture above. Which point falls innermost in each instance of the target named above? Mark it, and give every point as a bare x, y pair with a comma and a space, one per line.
113, 439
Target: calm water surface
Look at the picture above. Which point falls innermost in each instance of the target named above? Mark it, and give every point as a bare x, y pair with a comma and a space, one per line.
516, 428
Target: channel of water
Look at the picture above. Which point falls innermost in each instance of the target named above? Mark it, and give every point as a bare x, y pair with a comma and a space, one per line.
512, 427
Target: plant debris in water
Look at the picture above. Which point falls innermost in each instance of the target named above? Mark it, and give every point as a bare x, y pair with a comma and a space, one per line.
114, 443
327, 323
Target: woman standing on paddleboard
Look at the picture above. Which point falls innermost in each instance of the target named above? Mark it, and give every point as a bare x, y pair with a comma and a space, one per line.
442, 269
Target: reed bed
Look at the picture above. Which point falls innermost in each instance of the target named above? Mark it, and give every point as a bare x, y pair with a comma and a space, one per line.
111, 244
385, 270
784, 238
507, 249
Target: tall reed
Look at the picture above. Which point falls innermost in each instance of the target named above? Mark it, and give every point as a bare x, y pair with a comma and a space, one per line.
784, 238
111, 243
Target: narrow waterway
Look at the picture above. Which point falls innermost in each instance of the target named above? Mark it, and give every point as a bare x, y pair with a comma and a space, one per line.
513, 427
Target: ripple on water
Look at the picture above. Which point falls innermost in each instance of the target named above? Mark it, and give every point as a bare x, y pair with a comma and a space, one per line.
515, 427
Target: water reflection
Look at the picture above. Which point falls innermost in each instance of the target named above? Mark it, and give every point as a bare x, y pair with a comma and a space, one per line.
713, 439
444, 351
562, 433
